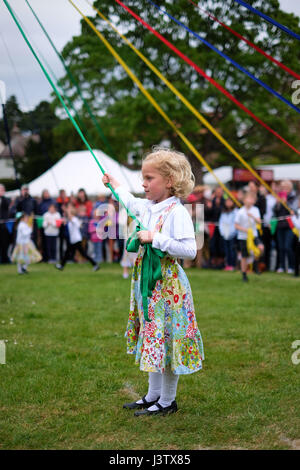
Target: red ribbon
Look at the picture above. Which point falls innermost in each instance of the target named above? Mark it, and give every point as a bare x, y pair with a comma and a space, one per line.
272, 59
211, 80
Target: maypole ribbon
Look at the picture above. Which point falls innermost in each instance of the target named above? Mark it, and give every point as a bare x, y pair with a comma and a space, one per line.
190, 107
155, 104
66, 108
74, 81
227, 58
249, 43
153, 271
209, 79
269, 19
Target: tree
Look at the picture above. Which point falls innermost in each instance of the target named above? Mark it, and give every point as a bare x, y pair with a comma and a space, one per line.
132, 124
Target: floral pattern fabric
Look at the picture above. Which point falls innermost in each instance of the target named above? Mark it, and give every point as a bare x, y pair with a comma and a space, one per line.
172, 338
26, 253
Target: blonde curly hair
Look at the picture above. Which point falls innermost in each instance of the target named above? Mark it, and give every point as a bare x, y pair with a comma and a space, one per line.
174, 165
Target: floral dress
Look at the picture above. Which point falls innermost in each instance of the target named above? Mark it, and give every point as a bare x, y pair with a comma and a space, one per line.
172, 338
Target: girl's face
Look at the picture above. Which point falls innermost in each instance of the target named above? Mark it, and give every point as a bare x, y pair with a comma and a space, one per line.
156, 187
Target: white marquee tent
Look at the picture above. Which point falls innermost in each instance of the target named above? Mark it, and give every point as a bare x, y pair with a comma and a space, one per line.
79, 170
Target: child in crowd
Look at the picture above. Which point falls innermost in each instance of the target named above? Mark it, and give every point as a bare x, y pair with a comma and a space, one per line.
75, 236
246, 218
24, 252
170, 344
228, 232
51, 231
94, 236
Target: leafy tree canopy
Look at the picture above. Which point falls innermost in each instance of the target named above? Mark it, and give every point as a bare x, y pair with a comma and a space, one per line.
132, 124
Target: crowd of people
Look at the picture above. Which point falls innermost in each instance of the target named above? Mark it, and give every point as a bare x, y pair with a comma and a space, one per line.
70, 228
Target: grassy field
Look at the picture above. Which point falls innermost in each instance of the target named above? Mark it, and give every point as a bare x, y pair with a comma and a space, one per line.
67, 373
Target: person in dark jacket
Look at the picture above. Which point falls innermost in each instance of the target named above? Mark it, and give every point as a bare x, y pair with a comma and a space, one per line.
213, 212
284, 234
4, 233
25, 203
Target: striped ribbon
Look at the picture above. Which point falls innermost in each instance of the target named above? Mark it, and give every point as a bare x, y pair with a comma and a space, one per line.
251, 44
269, 19
227, 58
190, 107
203, 74
154, 103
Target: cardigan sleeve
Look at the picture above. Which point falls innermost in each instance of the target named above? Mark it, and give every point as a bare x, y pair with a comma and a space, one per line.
134, 204
185, 248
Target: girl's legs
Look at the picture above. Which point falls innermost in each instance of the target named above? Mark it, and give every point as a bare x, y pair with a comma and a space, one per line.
168, 389
154, 388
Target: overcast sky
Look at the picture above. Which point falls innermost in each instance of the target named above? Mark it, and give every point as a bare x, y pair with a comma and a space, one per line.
62, 22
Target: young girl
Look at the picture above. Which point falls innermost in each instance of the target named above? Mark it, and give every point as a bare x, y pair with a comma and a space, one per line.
96, 241
75, 235
24, 252
246, 218
51, 231
170, 344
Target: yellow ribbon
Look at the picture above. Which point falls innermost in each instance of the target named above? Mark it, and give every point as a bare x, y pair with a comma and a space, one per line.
196, 113
155, 104
251, 247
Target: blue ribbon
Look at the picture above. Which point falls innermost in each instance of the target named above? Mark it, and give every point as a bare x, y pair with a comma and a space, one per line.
269, 19
267, 87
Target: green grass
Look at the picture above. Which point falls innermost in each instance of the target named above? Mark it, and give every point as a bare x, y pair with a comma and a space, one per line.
67, 376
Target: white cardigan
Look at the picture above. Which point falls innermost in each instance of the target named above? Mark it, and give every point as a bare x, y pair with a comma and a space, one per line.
177, 237
23, 233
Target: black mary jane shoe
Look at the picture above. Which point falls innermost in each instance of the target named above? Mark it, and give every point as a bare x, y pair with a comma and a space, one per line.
161, 410
134, 405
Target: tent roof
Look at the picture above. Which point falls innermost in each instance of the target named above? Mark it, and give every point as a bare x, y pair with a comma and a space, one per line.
79, 170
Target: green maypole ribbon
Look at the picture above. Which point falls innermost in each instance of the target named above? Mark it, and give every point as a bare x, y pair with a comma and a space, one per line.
151, 267
273, 225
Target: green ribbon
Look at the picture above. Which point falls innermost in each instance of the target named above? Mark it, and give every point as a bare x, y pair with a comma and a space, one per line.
151, 267
273, 225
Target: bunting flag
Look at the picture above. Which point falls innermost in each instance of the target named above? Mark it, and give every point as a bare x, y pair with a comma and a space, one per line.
207, 77
273, 226
249, 43
58, 223
9, 226
228, 59
39, 221
211, 229
292, 227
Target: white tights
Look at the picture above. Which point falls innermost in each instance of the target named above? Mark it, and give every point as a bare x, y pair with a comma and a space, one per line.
21, 267
162, 385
